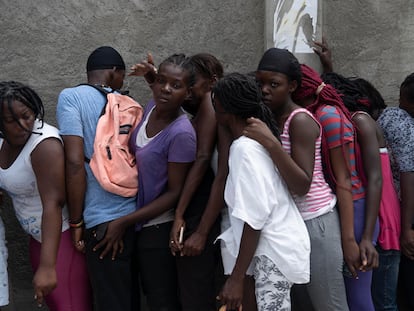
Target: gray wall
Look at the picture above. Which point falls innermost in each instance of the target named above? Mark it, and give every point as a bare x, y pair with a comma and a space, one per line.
46, 43
373, 39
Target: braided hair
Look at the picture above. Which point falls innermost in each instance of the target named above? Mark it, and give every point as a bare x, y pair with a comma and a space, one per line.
184, 62
356, 93
241, 96
11, 91
313, 86
376, 101
207, 65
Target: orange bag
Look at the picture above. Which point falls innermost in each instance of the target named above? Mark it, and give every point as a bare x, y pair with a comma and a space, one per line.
112, 163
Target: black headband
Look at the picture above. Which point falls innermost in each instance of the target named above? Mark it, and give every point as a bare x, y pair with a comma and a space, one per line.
276, 60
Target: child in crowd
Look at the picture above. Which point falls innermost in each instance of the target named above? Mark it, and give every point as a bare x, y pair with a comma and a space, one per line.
196, 265
298, 158
164, 144
267, 236
338, 151
32, 172
197, 272
356, 95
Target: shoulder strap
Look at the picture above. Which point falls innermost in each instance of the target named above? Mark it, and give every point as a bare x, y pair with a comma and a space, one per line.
294, 113
104, 93
359, 112
98, 87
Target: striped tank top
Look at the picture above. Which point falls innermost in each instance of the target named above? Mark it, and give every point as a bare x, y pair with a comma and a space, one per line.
320, 198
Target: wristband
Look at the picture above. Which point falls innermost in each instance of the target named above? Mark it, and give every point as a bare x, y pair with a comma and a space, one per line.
77, 224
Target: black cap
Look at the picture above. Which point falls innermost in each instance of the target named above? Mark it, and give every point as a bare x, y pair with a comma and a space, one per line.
105, 57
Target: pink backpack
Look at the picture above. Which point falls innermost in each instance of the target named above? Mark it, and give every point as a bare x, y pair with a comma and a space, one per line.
112, 163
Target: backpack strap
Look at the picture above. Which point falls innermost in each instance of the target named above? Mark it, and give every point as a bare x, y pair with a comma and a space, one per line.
104, 92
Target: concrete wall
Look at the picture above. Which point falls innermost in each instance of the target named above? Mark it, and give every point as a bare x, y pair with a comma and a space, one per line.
373, 39
46, 43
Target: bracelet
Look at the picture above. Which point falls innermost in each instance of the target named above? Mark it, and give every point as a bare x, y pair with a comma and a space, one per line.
76, 221
77, 224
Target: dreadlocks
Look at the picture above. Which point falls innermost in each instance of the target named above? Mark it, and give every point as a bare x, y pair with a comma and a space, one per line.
352, 95
240, 95
15, 91
357, 94
324, 94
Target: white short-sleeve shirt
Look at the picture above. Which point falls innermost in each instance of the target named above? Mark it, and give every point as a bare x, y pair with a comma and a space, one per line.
256, 194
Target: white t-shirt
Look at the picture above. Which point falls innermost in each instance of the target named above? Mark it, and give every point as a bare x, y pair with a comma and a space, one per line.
19, 181
256, 194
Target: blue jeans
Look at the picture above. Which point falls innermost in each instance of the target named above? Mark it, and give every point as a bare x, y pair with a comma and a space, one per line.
385, 280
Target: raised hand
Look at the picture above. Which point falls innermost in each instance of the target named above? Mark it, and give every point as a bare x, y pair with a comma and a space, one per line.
325, 55
145, 69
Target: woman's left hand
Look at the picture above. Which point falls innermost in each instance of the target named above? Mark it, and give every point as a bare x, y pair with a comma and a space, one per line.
44, 281
232, 293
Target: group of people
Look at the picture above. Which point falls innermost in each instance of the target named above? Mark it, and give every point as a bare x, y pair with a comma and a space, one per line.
271, 190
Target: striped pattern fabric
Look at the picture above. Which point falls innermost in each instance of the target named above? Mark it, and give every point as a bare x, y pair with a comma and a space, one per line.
320, 198
330, 119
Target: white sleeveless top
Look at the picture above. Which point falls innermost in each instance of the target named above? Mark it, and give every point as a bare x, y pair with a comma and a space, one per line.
19, 181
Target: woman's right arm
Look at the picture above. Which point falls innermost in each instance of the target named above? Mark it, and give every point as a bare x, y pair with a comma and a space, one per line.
296, 169
75, 176
48, 165
343, 191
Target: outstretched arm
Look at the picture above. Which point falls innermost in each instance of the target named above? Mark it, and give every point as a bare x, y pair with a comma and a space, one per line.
48, 165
